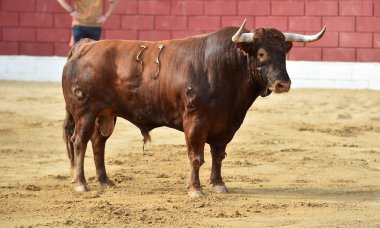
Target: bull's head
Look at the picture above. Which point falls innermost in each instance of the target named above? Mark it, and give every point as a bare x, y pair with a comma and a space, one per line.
266, 50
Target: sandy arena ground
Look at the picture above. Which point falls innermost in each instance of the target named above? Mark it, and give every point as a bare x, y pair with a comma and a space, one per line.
309, 158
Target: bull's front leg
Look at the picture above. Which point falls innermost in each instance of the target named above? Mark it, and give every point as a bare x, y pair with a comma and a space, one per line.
218, 153
196, 135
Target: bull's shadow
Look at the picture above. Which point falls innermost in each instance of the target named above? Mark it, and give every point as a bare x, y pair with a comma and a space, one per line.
341, 194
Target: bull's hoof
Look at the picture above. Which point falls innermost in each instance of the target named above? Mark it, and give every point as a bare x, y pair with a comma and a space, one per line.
107, 183
81, 188
194, 193
222, 189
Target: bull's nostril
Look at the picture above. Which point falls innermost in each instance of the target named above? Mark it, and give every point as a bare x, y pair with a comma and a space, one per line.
280, 86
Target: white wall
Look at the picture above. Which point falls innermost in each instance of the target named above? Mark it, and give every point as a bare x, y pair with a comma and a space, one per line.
303, 74
342, 75
31, 68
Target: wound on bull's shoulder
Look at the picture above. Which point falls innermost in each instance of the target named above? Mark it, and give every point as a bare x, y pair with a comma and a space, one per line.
190, 96
79, 93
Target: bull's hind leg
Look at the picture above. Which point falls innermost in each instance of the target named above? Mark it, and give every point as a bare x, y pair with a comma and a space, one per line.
98, 140
218, 153
83, 131
196, 135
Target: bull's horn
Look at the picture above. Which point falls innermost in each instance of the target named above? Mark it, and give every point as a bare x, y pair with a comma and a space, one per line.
242, 37
292, 37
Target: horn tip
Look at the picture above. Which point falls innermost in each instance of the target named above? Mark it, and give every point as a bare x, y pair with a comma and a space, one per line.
323, 30
236, 37
244, 22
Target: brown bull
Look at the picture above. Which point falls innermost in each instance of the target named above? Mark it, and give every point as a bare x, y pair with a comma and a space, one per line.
201, 85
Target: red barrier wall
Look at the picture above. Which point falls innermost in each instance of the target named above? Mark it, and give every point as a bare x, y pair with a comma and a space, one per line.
42, 27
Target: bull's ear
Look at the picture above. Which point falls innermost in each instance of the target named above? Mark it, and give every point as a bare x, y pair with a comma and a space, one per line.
288, 46
245, 47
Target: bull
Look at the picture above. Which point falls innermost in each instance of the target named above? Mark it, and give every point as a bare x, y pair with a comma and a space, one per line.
201, 85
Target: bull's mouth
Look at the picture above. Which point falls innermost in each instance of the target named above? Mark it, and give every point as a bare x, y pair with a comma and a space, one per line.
265, 92
280, 86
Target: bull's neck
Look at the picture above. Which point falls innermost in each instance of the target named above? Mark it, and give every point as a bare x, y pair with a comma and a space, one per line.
248, 87
231, 67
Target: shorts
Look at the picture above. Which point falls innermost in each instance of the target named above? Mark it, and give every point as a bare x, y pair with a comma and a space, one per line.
80, 32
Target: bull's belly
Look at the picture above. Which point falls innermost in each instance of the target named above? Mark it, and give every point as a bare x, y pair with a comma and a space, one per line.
220, 128
148, 120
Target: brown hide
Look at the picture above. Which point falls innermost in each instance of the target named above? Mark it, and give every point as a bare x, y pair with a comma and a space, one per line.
201, 85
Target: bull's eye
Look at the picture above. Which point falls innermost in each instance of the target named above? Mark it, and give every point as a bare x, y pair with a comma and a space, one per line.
261, 55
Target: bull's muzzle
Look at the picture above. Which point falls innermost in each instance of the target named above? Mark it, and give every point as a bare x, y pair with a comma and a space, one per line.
280, 86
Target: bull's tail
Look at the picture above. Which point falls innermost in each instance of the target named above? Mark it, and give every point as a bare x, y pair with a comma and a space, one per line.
68, 131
